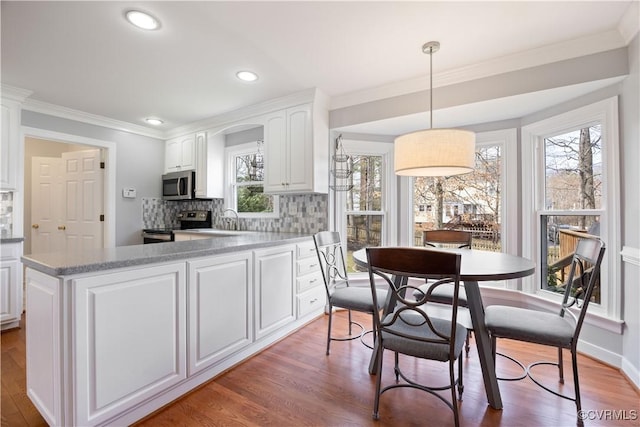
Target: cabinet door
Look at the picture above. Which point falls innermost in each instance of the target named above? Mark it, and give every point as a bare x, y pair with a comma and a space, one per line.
129, 343
188, 152
300, 149
10, 295
220, 302
172, 155
275, 152
274, 294
9, 145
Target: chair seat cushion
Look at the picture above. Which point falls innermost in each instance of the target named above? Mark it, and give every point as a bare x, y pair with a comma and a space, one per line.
443, 294
414, 326
529, 325
357, 298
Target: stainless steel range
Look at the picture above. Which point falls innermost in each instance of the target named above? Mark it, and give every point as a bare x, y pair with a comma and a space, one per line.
188, 220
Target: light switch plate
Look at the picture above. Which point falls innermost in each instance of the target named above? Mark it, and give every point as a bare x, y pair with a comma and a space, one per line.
129, 193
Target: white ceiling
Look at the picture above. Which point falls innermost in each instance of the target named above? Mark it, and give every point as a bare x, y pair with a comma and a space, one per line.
85, 56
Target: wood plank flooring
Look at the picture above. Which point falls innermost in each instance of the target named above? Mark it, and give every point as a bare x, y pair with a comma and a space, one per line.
293, 383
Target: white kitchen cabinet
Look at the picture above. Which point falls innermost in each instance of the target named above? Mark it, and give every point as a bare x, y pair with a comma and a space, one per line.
310, 290
9, 143
296, 151
130, 338
180, 154
10, 285
274, 293
220, 308
209, 165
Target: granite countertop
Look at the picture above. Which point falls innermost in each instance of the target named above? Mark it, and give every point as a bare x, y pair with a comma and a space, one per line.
68, 263
11, 239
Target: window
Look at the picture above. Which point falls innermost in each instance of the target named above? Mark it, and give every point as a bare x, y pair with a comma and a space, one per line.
470, 202
363, 215
476, 202
246, 182
572, 161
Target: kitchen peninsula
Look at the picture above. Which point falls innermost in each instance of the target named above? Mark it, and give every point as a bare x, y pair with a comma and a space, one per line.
114, 334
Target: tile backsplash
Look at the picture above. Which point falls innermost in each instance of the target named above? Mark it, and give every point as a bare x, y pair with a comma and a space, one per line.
305, 213
6, 214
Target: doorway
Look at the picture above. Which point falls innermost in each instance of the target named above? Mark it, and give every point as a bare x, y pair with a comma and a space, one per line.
50, 146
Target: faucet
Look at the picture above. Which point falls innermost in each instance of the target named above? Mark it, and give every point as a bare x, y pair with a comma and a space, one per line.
236, 225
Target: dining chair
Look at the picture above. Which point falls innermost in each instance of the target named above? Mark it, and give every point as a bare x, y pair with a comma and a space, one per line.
444, 294
336, 282
412, 328
560, 330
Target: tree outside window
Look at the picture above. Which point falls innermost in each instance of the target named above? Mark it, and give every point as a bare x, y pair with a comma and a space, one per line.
470, 202
573, 195
248, 184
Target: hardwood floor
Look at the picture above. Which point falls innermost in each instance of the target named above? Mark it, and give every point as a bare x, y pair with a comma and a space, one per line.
293, 383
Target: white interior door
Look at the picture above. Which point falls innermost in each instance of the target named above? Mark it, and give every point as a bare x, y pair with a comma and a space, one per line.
66, 202
46, 199
83, 188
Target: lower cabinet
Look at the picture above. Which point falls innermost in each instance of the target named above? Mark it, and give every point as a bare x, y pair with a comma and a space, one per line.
130, 339
110, 347
220, 308
10, 285
274, 297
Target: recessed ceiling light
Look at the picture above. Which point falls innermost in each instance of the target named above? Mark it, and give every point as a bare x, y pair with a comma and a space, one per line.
153, 121
247, 76
142, 20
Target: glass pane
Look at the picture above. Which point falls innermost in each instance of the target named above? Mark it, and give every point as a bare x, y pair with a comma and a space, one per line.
249, 167
573, 170
362, 231
366, 179
252, 199
561, 234
469, 202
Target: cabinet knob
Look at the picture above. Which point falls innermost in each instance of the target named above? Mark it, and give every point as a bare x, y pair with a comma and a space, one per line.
36, 226
62, 227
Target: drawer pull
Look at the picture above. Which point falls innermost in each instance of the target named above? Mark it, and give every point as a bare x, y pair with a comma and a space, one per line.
313, 300
313, 265
313, 281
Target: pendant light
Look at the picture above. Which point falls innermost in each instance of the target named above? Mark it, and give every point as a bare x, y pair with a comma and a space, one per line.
434, 152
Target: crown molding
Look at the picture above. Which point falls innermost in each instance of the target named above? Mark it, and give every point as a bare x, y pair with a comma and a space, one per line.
532, 58
630, 22
244, 113
15, 93
94, 119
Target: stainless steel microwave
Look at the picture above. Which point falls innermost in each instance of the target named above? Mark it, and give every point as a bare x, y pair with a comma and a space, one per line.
179, 185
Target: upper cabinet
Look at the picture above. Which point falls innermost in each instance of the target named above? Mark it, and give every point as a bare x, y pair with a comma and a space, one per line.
296, 150
180, 154
209, 165
9, 156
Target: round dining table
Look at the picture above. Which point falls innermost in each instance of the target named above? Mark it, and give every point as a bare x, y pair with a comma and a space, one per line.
476, 266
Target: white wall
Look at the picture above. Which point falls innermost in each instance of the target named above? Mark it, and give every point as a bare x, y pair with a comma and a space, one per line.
139, 164
630, 158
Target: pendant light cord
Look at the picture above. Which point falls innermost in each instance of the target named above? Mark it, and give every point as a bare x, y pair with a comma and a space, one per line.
430, 87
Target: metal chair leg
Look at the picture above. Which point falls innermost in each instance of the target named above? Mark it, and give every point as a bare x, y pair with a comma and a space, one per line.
329, 328
560, 366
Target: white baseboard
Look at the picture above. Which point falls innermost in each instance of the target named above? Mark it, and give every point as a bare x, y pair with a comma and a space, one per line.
631, 372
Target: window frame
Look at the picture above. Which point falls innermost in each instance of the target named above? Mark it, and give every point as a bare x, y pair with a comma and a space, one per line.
230, 193
389, 214
533, 207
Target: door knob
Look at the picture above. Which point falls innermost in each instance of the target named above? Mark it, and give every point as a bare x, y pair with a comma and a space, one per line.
62, 227
36, 226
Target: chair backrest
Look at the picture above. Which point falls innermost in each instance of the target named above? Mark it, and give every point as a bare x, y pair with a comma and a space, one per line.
331, 258
397, 266
456, 238
584, 276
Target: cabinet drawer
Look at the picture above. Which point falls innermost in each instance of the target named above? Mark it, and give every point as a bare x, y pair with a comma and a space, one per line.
306, 250
309, 281
311, 301
306, 266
